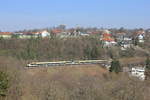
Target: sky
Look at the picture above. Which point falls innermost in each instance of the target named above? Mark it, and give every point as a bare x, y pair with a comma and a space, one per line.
30, 14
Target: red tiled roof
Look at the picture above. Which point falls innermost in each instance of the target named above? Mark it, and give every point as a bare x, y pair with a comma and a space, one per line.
107, 35
140, 32
34, 32
108, 39
5, 33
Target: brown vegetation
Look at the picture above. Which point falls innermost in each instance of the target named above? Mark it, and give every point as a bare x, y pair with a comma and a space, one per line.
62, 49
90, 82
85, 83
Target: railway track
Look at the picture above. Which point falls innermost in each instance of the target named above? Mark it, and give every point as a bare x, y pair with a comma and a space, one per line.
66, 63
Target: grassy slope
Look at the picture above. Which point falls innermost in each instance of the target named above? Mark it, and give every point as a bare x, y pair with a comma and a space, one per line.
65, 75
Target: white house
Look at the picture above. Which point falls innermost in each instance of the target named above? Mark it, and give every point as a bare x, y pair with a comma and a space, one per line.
64, 35
125, 45
5, 35
141, 38
45, 34
84, 34
110, 43
138, 72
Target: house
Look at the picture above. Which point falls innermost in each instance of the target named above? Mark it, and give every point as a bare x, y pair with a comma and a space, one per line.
85, 34
107, 39
28, 35
73, 33
141, 38
56, 31
126, 43
6, 35
135, 70
17, 33
120, 37
124, 40
64, 35
76, 33
140, 35
44, 34
138, 72
23, 35
109, 42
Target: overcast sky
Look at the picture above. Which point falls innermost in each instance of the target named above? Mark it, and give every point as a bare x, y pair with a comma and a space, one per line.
28, 14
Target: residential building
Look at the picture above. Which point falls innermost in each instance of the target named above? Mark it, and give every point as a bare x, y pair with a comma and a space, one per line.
44, 34
138, 72
141, 38
6, 35
107, 39
140, 35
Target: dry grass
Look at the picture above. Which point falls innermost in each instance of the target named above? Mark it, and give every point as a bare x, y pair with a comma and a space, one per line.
75, 70
132, 60
67, 76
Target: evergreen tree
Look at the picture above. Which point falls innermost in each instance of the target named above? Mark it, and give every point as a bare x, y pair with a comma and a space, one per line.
147, 67
115, 66
3, 83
